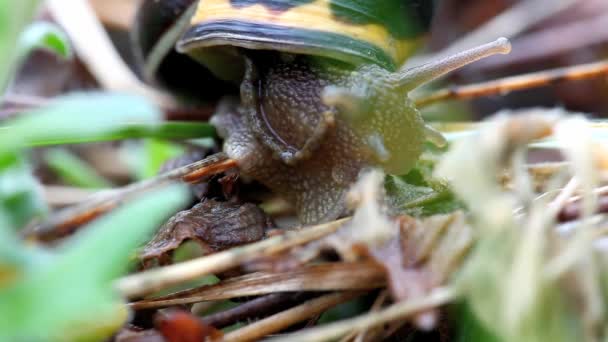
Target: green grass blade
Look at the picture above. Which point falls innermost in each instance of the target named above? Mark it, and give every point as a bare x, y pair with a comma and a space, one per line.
156, 130
116, 235
72, 293
14, 16
78, 117
73, 170
20, 194
151, 155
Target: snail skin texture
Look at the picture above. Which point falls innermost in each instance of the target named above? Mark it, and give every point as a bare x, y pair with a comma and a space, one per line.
307, 126
322, 96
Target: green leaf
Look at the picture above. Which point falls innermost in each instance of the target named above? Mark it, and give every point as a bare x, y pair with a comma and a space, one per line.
142, 217
72, 297
47, 36
20, 193
419, 194
78, 117
483, 281
136, 130
154, 154
469, 328
14, 258
73, 170
129, 130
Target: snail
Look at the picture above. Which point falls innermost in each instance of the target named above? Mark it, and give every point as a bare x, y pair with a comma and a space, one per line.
322, 95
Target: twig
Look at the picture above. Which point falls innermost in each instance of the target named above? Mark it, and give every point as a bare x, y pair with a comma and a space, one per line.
323, 277
68, 219
508, 84
285, 319
256, 308
211, 169
95, 49
439, 296
157, 279
59, 196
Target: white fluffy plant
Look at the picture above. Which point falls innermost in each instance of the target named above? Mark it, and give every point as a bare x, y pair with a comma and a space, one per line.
524, 281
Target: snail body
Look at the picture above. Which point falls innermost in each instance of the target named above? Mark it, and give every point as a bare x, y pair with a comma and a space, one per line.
321, 93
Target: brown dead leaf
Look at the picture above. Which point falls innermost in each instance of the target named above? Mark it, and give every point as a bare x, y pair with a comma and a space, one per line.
423, 257
406, 280
214, 225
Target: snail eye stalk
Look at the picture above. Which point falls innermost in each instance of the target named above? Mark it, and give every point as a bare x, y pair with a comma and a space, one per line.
353, 101
410, 79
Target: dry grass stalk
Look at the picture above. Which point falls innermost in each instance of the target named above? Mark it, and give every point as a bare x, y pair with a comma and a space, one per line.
72, 217
150, 281
398, 311
59, 196
324, 277
285, 319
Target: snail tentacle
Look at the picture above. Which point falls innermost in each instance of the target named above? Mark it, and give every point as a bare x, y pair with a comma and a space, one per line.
410, 79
